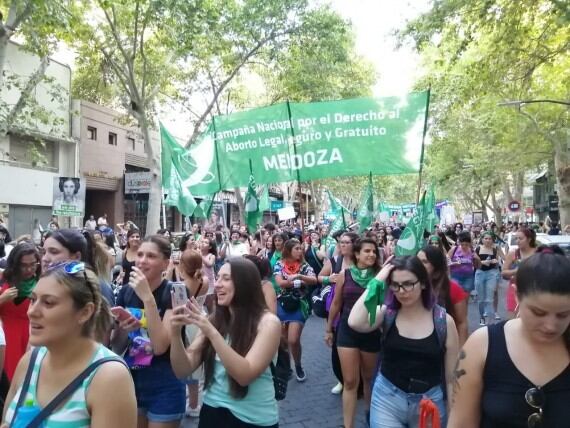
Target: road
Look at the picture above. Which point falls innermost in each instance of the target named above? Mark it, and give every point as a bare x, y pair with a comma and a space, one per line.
310, 404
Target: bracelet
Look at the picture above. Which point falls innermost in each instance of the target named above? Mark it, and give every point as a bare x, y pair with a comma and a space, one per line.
326, 280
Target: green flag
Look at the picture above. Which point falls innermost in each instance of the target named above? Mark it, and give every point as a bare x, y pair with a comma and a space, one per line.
251, 202
264, 202
366, 210
176, 168
332, 138
338, 224
431, 216
412, 239
204, 208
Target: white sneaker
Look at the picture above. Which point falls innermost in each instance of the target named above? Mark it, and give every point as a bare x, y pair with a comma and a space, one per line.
337, 389
193, 413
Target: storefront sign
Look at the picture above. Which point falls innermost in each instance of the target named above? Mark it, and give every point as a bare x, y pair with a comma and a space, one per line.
137, 182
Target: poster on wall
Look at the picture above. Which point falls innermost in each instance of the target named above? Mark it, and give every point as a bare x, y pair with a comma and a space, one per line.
69, 196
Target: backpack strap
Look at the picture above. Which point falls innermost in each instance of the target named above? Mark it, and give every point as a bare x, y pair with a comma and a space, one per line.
69, 390
440, 325
26, 384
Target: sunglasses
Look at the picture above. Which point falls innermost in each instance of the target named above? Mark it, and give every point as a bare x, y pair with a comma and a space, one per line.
536, 399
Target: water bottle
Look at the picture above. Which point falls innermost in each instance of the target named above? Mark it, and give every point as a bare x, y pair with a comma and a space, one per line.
26, 414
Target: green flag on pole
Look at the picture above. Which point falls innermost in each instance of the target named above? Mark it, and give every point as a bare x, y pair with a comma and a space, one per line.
412, 239
251, 202
431, 216
264, 202
366, 210
204, 208
339, 223
176, 168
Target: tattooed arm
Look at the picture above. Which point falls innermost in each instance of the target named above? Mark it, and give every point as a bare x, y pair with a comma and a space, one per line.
467, 382
451, 351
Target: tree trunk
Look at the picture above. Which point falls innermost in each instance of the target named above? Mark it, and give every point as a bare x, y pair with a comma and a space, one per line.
155, 194
240, 204
497, 210
562, 168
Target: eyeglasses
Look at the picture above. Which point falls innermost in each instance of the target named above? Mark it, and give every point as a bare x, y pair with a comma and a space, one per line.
29, 266
396, 287
536, 399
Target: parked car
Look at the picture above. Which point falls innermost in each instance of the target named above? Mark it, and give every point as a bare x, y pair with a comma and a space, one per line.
511, 242
563, 241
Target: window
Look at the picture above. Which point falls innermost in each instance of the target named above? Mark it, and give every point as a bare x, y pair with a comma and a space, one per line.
92, 133
112, 139
131, 142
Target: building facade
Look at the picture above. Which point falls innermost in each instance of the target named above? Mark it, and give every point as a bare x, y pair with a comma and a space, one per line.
38, 145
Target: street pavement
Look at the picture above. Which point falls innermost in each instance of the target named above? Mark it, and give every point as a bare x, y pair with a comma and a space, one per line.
310, 404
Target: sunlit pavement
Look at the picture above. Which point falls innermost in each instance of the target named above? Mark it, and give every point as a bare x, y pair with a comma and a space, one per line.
310, 404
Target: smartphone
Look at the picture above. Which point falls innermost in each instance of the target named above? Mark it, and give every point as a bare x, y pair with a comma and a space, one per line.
121, 313
176, 257
179, 294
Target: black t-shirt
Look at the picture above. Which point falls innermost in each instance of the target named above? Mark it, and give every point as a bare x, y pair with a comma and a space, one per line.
127, 298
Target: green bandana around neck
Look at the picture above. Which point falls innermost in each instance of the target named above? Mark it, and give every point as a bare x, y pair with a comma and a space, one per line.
374, 298
25, 287
361, 276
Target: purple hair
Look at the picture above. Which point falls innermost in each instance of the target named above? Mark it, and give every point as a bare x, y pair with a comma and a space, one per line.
413, 265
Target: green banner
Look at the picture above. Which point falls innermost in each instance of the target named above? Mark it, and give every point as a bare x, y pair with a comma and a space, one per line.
307, 141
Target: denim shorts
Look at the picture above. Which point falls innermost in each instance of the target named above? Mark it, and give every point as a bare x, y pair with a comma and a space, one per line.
391, 407
466, 282
161, 397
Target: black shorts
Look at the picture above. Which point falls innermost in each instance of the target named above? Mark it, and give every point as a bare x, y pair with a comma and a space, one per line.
349, 338
214, 417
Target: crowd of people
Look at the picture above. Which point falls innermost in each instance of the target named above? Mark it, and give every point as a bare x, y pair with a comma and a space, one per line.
149, 329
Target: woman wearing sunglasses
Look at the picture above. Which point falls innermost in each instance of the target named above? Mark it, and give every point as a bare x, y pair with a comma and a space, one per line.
419, 344
516, 373
65, 313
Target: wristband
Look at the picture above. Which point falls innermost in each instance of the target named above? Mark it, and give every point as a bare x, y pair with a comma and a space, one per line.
326, 280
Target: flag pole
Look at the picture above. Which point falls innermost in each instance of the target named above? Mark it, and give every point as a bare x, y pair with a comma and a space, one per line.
423, 146
298, 175
225, 211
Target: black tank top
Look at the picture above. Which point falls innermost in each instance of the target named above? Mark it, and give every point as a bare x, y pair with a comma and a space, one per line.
503, 404
487, 257
404, 359
127, 267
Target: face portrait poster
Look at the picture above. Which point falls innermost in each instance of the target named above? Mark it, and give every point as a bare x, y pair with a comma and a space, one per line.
69, 196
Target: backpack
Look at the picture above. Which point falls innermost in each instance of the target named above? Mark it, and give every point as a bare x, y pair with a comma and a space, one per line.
440, 325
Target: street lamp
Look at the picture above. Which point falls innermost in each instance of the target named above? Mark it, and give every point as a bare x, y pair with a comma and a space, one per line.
520, 103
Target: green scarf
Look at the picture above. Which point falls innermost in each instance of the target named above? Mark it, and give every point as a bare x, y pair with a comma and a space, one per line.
25, 287
374, 298
361, 276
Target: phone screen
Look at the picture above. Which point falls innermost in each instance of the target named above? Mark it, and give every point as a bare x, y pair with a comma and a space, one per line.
179, 294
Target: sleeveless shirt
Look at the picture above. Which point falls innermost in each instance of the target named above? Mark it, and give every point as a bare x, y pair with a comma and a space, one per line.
503, 403
74, 413
351, 292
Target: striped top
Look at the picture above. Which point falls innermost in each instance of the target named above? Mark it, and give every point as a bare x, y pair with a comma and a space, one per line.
74, 413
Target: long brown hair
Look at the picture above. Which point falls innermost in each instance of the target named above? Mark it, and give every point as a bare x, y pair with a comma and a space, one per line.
240, 326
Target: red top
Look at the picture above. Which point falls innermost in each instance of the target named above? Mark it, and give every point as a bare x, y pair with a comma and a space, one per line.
456, 293
17, 330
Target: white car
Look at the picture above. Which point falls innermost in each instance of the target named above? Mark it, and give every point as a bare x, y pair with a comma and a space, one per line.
563, 241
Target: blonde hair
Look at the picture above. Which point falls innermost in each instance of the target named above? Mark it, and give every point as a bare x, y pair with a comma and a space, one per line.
84, 289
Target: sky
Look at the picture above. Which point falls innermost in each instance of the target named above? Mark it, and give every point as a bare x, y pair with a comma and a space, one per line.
373, 22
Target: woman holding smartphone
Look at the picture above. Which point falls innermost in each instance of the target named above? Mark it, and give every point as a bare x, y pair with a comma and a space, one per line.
146, 337
236, 345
